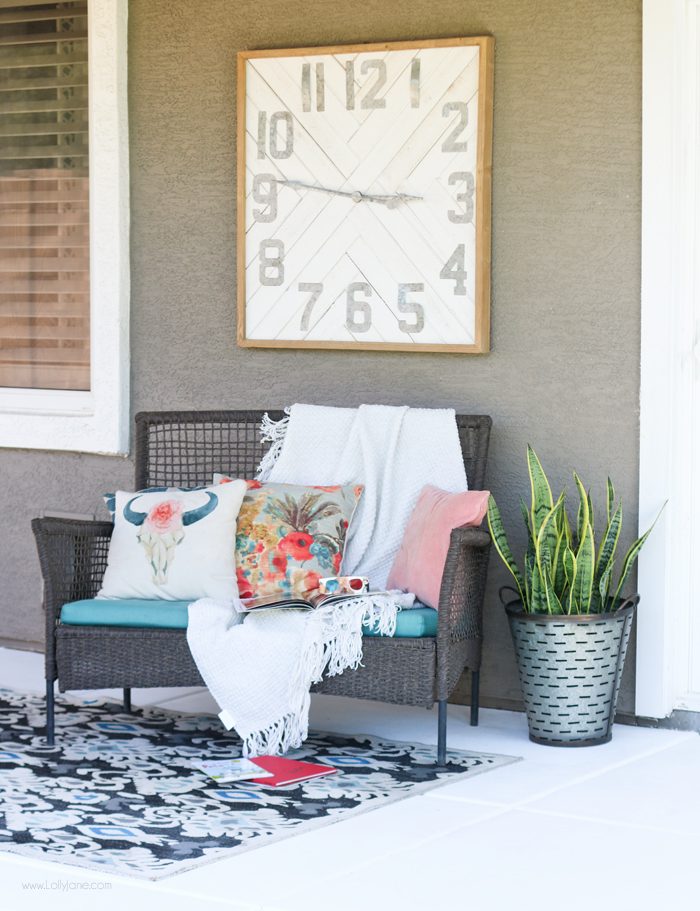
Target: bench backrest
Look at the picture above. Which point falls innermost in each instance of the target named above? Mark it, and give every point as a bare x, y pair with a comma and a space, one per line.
185, 448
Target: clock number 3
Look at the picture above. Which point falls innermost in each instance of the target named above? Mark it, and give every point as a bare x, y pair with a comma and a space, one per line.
467, 197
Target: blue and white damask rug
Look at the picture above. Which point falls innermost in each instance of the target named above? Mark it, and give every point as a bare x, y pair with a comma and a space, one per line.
119, 793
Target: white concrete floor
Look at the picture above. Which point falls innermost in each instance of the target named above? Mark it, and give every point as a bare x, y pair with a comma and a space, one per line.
609, 827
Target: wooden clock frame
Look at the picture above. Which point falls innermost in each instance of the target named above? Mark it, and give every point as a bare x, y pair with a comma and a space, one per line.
482, 209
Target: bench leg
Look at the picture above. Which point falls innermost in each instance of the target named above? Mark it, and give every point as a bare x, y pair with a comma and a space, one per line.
475, 699
127, 699
49, 714
442, 732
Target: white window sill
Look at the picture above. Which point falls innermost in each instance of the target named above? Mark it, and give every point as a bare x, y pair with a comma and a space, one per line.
45, 401
56, 420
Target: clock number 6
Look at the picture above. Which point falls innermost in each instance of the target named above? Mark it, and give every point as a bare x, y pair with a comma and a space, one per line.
355, 307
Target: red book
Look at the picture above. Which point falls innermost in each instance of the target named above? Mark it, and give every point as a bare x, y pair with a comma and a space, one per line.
288, 771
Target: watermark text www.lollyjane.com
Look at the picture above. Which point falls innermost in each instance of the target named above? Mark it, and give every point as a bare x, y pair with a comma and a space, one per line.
64, 885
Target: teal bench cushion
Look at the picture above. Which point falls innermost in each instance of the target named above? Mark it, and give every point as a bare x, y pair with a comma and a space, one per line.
126, 612
416, 623
410, 624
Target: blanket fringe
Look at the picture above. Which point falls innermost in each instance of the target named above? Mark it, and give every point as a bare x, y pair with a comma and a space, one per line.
332, 643
341, 630
272, 432
287, 733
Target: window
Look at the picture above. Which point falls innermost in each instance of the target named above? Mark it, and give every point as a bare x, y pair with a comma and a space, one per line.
44, 217
64, 225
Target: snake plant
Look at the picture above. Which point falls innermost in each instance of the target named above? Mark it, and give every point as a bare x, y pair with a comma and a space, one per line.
564, 572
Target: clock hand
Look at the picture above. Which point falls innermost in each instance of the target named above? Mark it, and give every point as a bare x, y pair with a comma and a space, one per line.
390, 200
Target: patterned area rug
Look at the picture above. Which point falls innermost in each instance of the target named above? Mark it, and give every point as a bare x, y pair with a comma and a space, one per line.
119, 793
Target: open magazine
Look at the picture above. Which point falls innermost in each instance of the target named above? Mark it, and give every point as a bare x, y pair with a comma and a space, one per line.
308, 602
234, 769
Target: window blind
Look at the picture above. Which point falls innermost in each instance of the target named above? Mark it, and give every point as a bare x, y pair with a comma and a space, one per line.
44, 229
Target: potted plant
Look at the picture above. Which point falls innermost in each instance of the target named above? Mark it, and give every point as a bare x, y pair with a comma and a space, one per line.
568, 616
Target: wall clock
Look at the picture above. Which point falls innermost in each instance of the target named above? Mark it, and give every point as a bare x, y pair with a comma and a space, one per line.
364, 196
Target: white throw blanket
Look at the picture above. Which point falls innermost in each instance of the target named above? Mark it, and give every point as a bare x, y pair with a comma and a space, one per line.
393, 451
260, 671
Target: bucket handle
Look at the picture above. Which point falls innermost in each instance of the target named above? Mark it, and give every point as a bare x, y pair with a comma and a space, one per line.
508, 588
633, 600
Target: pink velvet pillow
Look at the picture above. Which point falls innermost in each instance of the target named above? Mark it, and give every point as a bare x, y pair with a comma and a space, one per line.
421, 558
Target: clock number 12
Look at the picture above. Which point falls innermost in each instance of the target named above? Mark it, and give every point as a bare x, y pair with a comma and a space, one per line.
370, 101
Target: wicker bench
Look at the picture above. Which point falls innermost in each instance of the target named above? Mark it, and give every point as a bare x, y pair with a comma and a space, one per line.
184, 449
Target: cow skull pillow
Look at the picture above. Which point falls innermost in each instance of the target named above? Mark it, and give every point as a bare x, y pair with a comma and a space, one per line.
174, 544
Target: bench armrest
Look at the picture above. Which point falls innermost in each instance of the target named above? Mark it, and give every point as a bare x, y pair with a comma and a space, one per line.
461, 607
73, 558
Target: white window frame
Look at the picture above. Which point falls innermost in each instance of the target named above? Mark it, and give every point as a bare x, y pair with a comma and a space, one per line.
669, 346
98, 420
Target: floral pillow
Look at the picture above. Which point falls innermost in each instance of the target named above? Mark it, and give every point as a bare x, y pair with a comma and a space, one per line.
290, 536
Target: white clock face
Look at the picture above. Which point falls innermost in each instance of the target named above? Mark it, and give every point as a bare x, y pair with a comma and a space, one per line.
361, 181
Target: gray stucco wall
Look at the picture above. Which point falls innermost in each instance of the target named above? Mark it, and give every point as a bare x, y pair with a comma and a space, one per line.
564, 370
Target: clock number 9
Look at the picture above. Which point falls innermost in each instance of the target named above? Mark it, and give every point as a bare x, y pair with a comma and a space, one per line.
466, 177
271, 262
266, 197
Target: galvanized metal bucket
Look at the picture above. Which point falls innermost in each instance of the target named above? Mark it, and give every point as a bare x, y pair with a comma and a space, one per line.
570, 671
